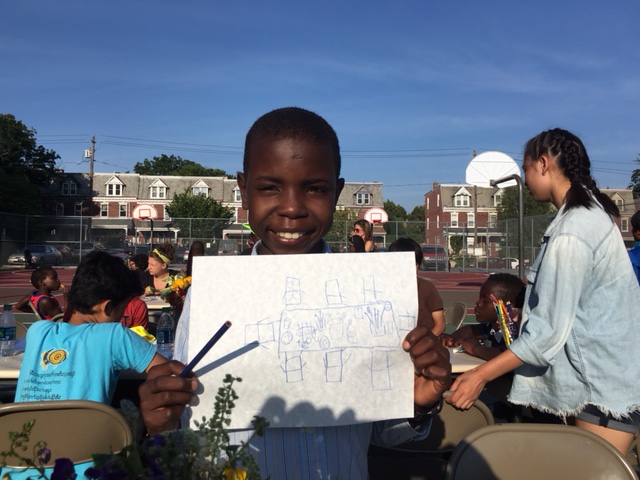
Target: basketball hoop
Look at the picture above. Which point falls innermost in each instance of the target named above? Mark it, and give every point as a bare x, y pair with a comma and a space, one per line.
376, 215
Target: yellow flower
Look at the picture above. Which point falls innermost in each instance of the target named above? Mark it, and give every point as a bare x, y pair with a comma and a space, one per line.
235, 473
177, 284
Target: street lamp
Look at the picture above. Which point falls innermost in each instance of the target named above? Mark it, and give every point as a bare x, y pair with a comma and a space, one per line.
516, 177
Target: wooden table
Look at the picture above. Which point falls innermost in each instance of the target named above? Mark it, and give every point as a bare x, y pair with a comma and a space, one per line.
154, 302
10, 367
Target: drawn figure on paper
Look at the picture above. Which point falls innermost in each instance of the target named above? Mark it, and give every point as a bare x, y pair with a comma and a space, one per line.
332, 329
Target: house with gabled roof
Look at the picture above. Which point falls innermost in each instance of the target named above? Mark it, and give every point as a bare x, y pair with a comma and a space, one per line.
472, 213
115, 197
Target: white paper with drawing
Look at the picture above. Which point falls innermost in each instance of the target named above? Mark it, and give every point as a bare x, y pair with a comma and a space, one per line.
316, 339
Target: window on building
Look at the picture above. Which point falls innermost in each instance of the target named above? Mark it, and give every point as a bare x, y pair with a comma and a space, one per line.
104, 210
77, 209
620, 204
204, 191
114, 190
462, 200
123, 210
237, 197
69, 188
158, 191
59, 209
363, 198
454, 219
624, 225
493, 220
471, 219
497, 199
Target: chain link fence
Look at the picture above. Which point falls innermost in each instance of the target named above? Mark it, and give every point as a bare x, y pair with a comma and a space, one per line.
72, 235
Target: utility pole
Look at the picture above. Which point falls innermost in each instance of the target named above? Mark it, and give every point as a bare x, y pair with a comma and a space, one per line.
475, 214
92, 154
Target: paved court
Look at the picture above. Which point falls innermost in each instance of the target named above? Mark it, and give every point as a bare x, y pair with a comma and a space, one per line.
16, 283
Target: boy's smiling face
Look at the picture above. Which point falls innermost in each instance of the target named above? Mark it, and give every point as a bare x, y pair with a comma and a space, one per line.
290, 190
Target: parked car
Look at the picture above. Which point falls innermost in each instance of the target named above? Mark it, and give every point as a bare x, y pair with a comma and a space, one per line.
508, 263
41, 255
435, 258
228, 247
87, 247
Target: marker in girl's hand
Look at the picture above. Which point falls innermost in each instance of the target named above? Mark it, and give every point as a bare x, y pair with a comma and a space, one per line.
192, 364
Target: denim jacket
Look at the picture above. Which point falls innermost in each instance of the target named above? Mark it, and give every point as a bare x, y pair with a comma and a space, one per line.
580, 335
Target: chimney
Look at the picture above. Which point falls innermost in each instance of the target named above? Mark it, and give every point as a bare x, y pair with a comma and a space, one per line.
435, 185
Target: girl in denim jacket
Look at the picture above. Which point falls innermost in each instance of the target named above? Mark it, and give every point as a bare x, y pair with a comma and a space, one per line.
576, 356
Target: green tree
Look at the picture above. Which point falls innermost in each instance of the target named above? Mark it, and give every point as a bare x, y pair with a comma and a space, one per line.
417, 214
342, 224
199, 216
24, 166
635, 181
176, 166
508, 207
455, 241
396, 212
396, 226
508, 223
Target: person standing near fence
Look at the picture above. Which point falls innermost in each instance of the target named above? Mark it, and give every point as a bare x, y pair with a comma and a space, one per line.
362, 228
576, 356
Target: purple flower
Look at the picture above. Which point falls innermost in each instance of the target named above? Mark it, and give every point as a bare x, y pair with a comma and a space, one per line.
44, 455
63, 470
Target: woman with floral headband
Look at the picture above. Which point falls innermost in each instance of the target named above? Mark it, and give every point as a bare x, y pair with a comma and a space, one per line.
158, 274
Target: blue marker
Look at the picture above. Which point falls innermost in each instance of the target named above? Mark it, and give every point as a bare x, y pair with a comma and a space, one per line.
192, 364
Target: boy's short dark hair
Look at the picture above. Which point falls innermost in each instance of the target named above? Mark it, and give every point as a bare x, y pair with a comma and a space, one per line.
39, 274
292, 123
406, 244
140, 260
635, 221
511, 288
101, 276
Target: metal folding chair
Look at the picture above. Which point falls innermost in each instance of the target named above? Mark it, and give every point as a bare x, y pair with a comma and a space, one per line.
74, 429
526, 451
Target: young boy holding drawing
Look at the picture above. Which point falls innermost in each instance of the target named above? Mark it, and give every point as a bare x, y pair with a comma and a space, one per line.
81, 359
290, 185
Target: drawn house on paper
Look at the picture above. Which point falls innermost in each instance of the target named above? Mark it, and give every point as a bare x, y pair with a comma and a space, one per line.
332, 329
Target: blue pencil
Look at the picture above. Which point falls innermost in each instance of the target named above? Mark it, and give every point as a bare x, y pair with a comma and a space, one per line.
192, 364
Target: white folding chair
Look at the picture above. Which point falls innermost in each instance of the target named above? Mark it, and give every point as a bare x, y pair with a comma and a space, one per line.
455, 313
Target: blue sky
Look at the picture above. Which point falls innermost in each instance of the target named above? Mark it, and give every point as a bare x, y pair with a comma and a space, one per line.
411, 87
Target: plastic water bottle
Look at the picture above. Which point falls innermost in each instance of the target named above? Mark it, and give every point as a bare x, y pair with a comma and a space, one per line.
164, 334
7, 332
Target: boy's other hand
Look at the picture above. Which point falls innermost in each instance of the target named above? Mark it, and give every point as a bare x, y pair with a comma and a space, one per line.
164, 395
431, 365
448, 341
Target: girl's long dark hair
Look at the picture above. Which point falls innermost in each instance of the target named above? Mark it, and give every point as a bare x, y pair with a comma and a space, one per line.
571, 157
